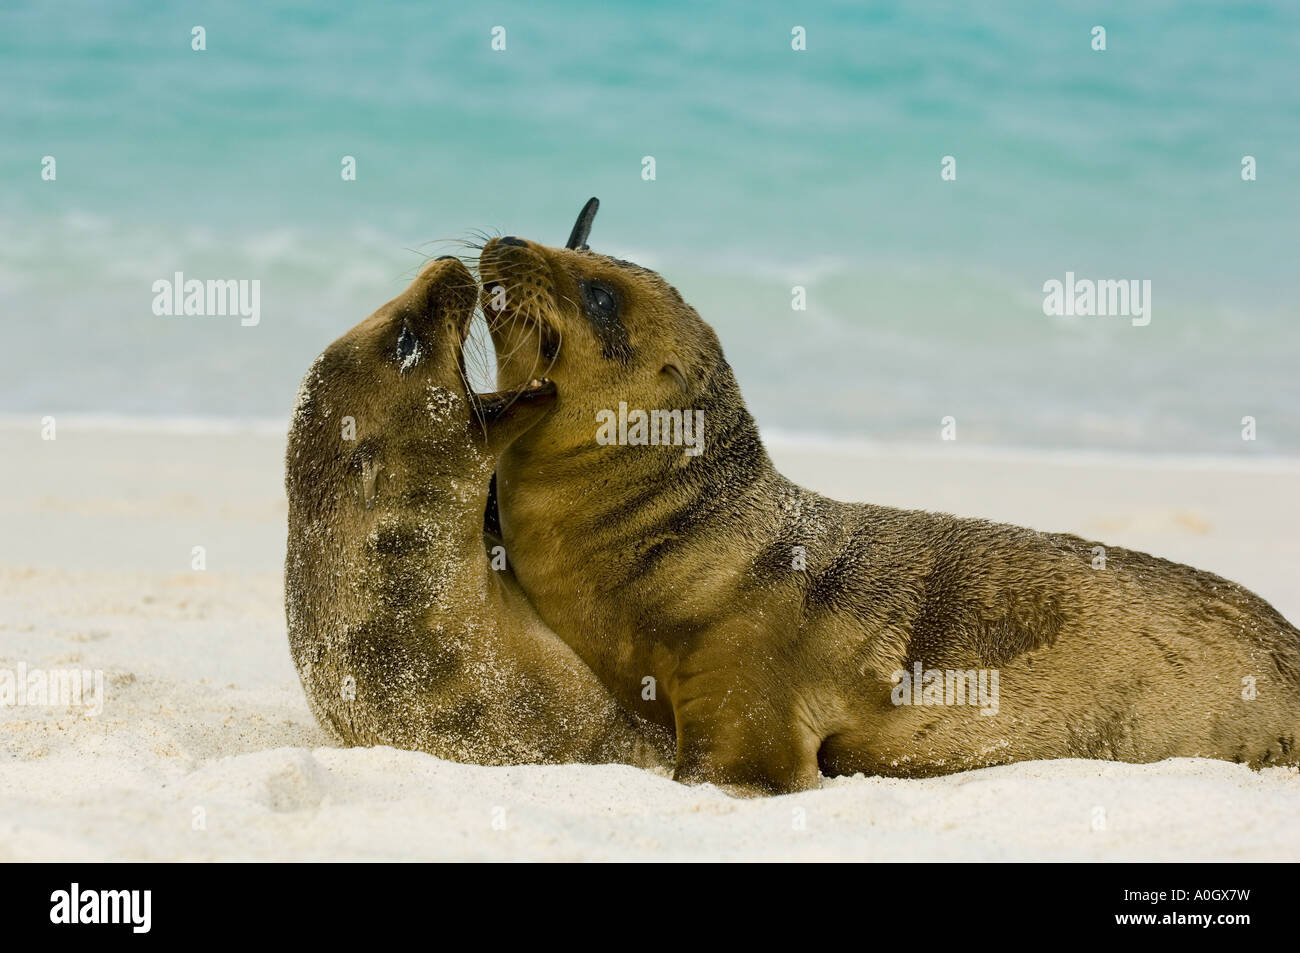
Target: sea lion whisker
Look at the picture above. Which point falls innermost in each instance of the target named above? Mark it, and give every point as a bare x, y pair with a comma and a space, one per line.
515, 317
512, 321
522, 389
483, 237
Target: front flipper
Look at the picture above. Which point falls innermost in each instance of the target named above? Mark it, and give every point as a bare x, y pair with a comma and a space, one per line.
736, 736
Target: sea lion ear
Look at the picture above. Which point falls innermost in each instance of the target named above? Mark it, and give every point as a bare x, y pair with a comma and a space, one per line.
674, 370
582, 227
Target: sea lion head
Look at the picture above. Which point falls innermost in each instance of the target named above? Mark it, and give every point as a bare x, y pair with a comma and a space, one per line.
387, 412
605, 330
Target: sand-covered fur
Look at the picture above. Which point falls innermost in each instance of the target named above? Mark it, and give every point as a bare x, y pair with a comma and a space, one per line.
402, 632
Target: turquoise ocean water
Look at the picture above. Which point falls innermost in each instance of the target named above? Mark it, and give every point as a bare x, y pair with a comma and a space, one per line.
774, 168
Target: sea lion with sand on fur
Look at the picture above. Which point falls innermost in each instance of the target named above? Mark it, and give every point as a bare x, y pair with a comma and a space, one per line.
402, 632
772, 628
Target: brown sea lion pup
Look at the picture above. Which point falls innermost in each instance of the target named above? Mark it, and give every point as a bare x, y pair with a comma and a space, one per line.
779, 632
402, 632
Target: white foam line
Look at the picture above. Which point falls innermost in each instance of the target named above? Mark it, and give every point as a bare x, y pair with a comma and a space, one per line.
852, 446
775, 439
127, 423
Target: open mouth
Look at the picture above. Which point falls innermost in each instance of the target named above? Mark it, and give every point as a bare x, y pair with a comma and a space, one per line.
517, 322
490, 406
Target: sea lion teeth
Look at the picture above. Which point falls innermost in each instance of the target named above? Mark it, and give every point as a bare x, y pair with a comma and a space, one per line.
782, 634
404, 631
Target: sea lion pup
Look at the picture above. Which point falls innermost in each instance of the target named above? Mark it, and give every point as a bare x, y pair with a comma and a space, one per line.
402, 632
780, 632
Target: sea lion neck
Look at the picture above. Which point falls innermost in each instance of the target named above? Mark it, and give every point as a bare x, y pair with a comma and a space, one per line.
632, 491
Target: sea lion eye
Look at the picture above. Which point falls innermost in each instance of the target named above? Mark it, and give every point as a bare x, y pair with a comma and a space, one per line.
600, 308
599, 298
406, 346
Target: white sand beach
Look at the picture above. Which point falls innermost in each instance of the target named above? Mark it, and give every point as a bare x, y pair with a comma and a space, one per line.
205, 748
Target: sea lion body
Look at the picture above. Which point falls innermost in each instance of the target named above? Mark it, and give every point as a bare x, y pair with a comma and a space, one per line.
402, 632
781, 628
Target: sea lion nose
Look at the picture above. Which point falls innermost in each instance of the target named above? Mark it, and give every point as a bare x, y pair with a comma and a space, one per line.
511, 240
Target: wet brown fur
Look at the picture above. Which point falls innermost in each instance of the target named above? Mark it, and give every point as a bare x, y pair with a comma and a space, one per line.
653, 563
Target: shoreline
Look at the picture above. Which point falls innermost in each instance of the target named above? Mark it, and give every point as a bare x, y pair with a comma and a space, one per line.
143, 494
